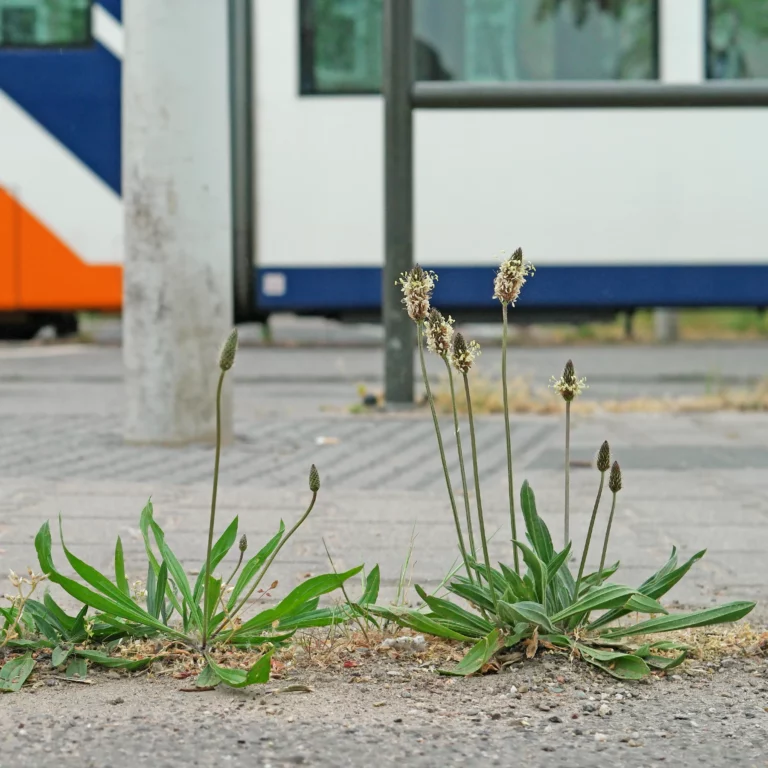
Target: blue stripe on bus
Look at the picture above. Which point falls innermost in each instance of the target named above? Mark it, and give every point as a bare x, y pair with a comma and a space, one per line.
74, 93
359, 288
114, 7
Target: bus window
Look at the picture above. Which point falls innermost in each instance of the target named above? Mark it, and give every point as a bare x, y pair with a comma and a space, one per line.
43, 23
737, 39
481, 41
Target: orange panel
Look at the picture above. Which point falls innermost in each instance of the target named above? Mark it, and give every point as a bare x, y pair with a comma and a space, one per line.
54, 278
9, 237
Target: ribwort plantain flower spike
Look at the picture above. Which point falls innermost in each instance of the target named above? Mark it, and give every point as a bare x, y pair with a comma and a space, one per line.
463, 354
568, 386
614, 484
511, 277
314, 479
603, 463
439, 333
417, 286
228, 351
243, 543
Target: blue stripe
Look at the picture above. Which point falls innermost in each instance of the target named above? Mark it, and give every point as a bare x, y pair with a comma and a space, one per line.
359, 288
114, 7
74, 93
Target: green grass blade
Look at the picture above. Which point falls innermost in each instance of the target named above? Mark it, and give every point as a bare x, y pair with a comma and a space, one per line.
114, 662
160, 588
470, 624
723, 614
145, 521
477, 656
151, 590
417, 621
218, 552
371, 590
120, 578
253, 566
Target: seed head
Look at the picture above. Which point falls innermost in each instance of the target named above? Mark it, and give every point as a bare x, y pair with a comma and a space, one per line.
510, 277
417, 286
228, 351
604, 457
243, 543
314, 479
439, 333
614, 480
464, 353
568, 386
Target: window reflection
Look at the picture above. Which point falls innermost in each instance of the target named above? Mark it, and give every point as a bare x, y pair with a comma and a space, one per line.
737, 39
37, 23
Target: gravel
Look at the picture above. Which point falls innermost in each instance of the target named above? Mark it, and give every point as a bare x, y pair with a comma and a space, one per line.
414, 718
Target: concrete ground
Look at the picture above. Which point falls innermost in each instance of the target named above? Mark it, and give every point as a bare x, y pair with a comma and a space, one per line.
694, 481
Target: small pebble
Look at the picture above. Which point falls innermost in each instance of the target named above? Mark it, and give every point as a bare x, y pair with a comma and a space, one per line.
544, 707
604, 710
600, 738
555, 719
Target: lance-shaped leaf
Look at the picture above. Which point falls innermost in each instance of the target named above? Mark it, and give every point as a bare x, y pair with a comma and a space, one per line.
624, 666
527, 612
538, 533
600, 598
478, 655
239, 678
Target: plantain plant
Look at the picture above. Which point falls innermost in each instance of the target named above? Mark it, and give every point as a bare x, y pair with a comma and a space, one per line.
205, 616
541, 603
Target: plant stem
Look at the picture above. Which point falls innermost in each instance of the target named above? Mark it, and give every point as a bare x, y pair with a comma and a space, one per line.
589, 534
566, 534
265, 568
510, 481
481, 521
350, 604
607, 534
213, 506
465, 487
237, 568
459, 534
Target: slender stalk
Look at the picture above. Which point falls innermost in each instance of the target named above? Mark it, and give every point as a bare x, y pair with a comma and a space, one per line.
607, 534
510, 481
237, 568
464, 486
459, 534
213, 506
481, 521
350, 604
589, 533
266, 565
566, 534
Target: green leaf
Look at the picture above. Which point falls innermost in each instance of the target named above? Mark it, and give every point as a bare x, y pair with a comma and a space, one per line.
371, 589
538, 532
251, 568
477, 656
656, 586
238, 678
599, 598
528, 612
624, 666
120, 579
129, 611
218, 552
723, 614
598, 577
557, 562
78, 668
538, 570
664, 662
114, 662
561, 641
643, 604
65, 622
162, 583
60, 655
314, 587
151, 590
212, 598
178, 574
516, 585
15, 673
471, 625
44, 621
475, 594
207, 678
417, 621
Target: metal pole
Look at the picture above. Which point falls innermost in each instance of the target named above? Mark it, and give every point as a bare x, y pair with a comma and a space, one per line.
397, 82
177, 282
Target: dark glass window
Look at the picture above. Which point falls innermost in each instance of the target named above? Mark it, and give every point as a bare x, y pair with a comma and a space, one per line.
40, 23
737, 39
481, 40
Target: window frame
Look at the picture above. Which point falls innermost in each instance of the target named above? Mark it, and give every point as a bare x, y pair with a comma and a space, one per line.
304, 11
86, 44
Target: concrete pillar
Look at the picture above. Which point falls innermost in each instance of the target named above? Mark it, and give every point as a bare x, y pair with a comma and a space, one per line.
178, 305
665, 325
